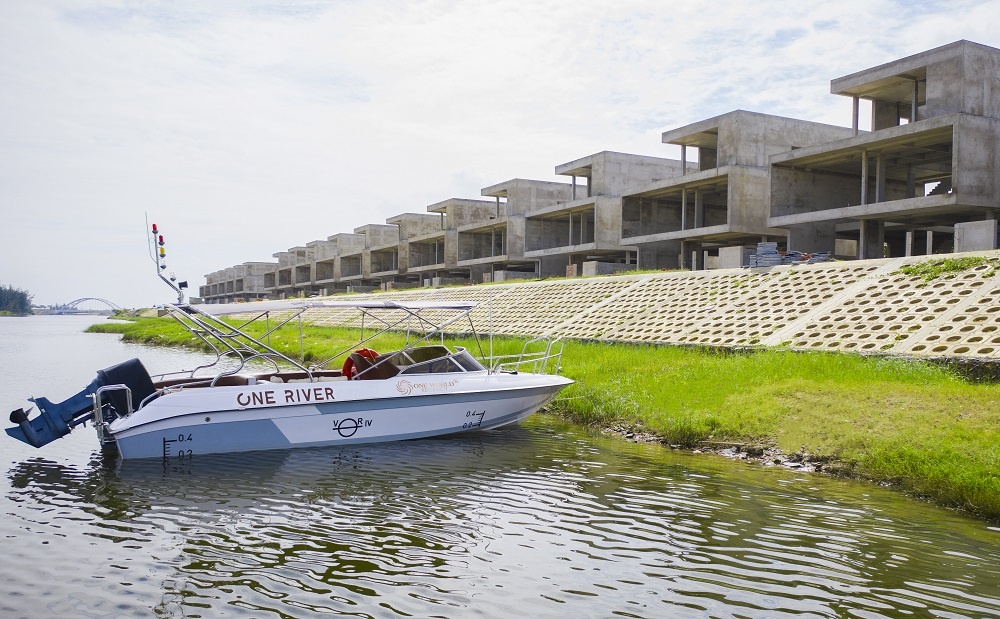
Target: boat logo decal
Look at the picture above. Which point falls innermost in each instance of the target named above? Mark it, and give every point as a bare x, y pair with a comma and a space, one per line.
406, 387
349, 426
297, 395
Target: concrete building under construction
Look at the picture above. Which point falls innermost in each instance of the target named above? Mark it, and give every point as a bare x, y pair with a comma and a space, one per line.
925, 179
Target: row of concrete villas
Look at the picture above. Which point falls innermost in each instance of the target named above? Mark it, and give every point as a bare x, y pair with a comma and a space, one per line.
925, 179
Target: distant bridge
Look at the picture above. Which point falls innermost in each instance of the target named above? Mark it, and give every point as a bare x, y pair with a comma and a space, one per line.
87, 305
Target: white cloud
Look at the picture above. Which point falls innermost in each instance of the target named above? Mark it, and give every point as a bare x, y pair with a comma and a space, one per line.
246, 129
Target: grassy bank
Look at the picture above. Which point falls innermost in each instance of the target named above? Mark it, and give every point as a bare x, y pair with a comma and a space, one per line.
912, 424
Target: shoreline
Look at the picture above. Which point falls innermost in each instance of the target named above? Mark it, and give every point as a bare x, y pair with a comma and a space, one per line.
749, 453
913, 425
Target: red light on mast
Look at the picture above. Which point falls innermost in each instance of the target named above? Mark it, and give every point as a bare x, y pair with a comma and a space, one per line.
161, 239
154, 228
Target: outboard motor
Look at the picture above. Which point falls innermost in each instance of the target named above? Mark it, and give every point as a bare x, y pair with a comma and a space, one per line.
56, 420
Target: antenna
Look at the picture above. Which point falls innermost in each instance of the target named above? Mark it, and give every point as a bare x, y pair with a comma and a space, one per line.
158, 254
491, 327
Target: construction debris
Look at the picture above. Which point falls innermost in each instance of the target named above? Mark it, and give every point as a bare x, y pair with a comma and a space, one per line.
768, 256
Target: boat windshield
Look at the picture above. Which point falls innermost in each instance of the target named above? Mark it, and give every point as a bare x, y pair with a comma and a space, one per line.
436, 360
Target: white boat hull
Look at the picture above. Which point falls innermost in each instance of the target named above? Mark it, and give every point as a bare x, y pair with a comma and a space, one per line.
186, 423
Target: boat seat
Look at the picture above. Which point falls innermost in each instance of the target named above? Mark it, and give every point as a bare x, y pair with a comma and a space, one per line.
378, 369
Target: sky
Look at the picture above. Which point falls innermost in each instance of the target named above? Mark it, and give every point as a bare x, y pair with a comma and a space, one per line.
246, 128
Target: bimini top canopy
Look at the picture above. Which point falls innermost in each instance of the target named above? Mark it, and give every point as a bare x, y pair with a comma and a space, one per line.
224, 309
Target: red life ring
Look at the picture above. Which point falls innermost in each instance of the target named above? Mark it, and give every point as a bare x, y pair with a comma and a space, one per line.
348, 369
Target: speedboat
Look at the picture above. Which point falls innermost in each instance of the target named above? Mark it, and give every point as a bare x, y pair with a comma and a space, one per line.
254, 397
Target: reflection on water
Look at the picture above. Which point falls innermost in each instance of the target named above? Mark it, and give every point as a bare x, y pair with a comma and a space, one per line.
534, 519
540, 519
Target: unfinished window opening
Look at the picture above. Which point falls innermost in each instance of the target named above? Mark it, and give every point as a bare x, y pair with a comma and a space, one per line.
913, 166
384, 261
426, 253
350, 266
675, 210
482, 244
324, 270
560, 230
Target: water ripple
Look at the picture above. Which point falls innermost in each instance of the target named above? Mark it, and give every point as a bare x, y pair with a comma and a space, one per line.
534, 520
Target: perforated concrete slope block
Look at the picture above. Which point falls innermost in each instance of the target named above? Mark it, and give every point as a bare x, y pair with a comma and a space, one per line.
873, 306
967, 323
889, 311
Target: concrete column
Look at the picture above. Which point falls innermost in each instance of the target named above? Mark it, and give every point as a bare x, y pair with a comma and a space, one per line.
855, 114
570, 229
872, 236
930, 243
864, 177
909, 243
913, 104
684, 208
684, 159
642, 213
697, 258
583, 227
574, 187
699, 209
880, 177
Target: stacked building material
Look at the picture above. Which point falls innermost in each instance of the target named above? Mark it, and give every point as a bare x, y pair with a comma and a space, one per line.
767, 255
799, 257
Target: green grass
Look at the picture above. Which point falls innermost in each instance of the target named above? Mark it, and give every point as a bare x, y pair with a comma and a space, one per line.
930, 270
915, 425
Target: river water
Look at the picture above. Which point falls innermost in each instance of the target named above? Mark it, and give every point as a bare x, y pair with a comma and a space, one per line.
542, 519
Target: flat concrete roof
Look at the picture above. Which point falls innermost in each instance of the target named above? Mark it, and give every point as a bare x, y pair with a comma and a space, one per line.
362, 229
583, 165
408, 217
346, 236
442, 207
893, 81
500, 189
705, 133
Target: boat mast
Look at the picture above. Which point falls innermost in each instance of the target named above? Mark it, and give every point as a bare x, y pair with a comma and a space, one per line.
158, 254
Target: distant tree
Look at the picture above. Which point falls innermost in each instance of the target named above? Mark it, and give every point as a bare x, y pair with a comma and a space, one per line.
14, 302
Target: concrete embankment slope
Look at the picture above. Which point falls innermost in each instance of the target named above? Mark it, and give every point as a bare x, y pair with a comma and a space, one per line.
859, 306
